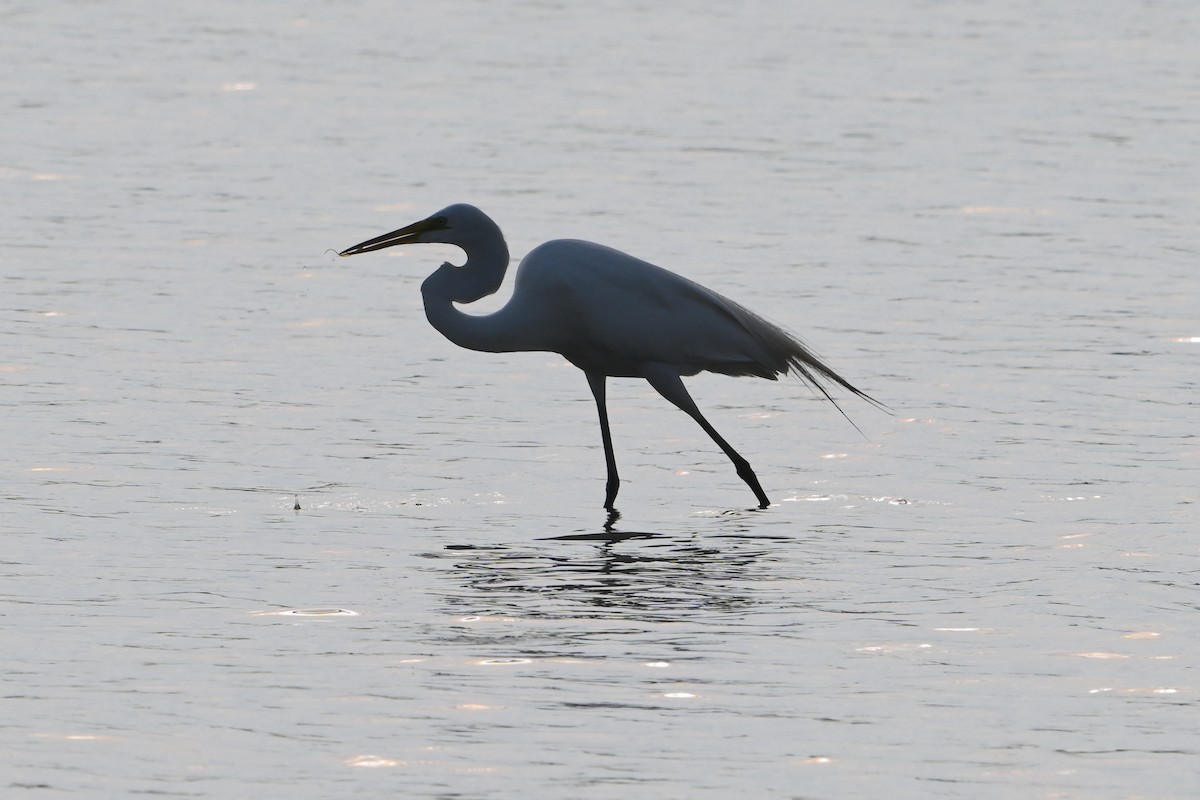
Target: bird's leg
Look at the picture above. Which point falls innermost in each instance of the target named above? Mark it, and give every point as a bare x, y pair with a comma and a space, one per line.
596, 381
668, 383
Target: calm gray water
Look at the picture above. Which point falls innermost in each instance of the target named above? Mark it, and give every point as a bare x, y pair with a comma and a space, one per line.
985, 214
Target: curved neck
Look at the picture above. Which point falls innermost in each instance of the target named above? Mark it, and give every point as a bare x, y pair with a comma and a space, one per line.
481, 275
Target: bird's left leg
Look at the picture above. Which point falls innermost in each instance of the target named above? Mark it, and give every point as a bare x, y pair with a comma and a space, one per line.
596, 381
666, 381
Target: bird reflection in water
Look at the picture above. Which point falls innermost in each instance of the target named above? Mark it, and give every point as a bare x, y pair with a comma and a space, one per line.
646, 575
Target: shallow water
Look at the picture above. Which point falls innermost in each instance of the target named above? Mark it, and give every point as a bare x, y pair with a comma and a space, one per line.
984, 215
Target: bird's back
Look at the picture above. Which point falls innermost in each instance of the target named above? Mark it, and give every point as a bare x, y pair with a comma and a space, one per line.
609, 312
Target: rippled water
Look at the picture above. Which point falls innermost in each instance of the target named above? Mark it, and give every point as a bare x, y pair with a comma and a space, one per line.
983, 214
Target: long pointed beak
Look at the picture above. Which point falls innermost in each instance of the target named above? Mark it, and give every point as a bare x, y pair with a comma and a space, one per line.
405, 235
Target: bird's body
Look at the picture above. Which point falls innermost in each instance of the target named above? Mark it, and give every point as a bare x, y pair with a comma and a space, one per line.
608, 313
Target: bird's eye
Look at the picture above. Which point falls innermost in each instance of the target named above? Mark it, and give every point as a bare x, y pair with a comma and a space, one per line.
441, 222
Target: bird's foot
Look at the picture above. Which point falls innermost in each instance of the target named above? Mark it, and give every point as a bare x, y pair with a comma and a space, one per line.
613, 516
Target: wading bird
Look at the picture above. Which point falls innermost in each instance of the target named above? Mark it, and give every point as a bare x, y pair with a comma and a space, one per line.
608, 313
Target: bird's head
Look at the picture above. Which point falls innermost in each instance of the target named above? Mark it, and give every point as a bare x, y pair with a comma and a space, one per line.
459, 225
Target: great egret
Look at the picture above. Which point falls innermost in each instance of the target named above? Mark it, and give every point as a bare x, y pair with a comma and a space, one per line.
606, 312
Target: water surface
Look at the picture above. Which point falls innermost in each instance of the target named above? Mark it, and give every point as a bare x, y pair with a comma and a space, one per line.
984, 215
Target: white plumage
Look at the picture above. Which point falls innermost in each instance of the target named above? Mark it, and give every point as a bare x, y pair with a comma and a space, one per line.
606, 312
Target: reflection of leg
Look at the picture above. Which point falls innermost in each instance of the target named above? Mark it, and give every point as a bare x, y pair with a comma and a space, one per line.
668, 383
596, 381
